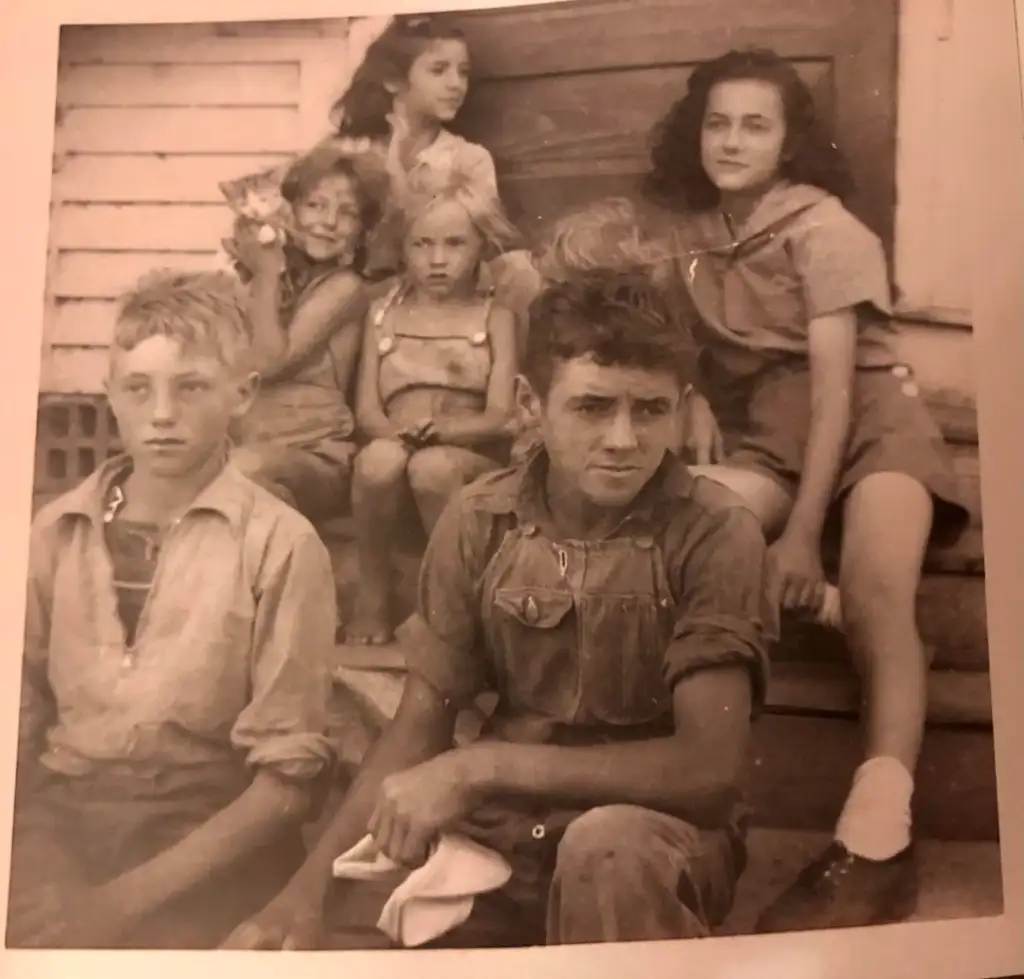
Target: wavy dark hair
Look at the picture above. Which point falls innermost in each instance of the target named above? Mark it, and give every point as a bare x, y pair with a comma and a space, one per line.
618, 317
677, 179
363, 110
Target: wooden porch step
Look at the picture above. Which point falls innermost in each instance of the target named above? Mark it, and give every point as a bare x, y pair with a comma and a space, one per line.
800, 770
957, 879
955, 698
805, 746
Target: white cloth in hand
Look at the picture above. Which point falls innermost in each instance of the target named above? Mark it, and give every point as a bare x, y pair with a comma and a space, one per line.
433, 899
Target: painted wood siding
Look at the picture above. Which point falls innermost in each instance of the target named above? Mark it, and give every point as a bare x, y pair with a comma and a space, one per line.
933, 219
149, 119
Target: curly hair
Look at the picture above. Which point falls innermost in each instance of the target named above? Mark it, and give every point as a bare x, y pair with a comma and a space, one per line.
677, 179
606, 233
615, 317
203, 311
364, 108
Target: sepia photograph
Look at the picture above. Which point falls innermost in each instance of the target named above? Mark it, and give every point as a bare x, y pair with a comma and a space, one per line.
507, 478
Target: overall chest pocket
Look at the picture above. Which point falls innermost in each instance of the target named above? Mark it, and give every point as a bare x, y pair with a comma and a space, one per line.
623, 642
533, 633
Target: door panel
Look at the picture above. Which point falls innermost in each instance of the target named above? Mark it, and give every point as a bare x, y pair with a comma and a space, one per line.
566, 95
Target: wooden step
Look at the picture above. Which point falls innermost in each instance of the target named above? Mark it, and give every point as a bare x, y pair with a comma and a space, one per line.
832, 690
951, 616
800, 771
799, 768
955, 698
805, 746
957, 879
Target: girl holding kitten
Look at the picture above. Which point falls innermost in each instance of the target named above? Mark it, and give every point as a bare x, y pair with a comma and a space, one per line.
306, 304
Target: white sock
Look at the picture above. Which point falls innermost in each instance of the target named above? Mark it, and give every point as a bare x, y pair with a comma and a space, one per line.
875, 823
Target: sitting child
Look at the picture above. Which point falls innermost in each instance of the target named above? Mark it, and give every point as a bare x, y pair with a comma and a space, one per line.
617, 606
436, 384
404, 101
606, 234
306, 306
801, 361
176, 663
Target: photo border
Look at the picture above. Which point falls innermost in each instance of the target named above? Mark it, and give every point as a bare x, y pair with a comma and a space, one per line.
966, 948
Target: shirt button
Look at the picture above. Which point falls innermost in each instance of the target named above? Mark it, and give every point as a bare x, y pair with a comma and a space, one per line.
538, 832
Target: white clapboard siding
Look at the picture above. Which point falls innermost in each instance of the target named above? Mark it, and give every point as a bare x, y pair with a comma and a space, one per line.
181, 85
150, 120
199, 129
84, 322
109, 179
105, 275
933, 218
140, 227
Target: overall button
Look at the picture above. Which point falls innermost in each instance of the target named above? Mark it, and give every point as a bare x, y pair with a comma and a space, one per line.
385, 345
478, 339
901, 371
530, 611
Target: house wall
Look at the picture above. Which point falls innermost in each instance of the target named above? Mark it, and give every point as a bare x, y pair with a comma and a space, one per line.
150, 118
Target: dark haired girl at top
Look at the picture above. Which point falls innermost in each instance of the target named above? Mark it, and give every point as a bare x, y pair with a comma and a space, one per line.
404, 99
800, 363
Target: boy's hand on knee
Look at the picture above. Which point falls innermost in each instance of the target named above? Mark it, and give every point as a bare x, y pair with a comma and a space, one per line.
797, 573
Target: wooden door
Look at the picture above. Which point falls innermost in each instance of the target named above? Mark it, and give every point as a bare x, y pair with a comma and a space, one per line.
566, 94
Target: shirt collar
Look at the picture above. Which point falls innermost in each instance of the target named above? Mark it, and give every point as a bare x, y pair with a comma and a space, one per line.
441, 149
671, 482
226, 494
776, 208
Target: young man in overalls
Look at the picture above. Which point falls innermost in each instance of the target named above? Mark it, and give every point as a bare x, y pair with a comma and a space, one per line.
618, 606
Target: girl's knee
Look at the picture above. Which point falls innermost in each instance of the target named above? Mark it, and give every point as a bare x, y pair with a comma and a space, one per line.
381, 464
436, 471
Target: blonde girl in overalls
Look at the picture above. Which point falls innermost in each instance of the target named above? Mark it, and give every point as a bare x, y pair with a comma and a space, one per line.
436, 384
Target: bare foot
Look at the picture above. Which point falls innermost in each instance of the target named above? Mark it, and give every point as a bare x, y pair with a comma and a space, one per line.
371, 623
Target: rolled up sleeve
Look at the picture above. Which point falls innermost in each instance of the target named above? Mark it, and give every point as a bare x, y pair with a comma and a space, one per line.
284, 726
727, 617
443, 639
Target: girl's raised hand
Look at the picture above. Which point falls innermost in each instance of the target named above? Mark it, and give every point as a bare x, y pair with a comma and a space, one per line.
260, 248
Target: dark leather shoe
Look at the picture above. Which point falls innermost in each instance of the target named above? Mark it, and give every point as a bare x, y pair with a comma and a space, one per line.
841, 890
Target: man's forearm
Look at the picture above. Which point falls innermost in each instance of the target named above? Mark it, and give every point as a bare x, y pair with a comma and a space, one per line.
254, 819
403, 745
661, 773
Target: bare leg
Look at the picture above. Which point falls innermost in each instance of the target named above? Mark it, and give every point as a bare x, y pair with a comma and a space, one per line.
377, 483
867, 876
886, 525
437, 472
768, 501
